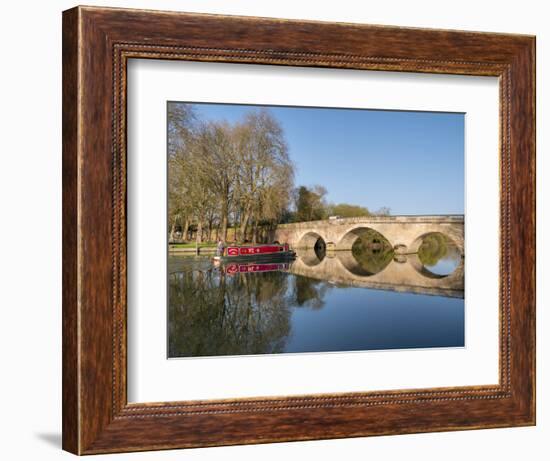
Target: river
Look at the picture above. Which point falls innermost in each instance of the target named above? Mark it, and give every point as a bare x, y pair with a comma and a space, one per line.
318, 303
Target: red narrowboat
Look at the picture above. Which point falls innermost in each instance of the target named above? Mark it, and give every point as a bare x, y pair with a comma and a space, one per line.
264, 252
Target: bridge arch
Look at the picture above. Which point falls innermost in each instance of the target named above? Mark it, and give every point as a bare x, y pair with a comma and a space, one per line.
309, 256
456, 274
417, 242
311, 240
351, 236
415, 262
449, 257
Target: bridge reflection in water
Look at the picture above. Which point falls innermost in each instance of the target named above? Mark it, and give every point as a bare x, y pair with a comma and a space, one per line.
322, 302
403, 273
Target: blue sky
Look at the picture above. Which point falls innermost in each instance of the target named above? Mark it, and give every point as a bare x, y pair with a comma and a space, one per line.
411, 162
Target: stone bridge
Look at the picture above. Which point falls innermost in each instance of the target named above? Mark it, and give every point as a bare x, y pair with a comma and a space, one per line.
402, 274
402, 232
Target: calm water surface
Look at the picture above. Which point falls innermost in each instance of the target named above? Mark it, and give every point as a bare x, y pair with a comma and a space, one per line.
318, 303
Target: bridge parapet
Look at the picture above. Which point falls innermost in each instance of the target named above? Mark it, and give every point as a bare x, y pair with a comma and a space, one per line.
453, 219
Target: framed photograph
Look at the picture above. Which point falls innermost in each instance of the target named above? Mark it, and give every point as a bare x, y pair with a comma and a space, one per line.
282, 230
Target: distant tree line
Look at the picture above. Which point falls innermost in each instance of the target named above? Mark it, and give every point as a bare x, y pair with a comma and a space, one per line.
310, 204
236, 181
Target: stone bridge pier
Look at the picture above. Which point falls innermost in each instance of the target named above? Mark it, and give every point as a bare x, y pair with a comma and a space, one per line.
405, 233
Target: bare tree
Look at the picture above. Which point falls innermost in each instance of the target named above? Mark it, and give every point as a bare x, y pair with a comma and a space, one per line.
218, 170
182, 122
265, 172
218, 163
383, 211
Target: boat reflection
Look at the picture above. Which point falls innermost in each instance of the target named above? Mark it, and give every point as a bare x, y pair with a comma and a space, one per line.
236, 268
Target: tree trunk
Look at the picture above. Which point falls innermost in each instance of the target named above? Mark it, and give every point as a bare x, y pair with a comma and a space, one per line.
224, 214
172, 230
244, 224
255, 232
185, 230
209, 230
199, 231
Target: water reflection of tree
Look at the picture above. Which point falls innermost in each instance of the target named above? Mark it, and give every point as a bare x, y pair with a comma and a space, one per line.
214, 314
372, 251
435, 247
309, 292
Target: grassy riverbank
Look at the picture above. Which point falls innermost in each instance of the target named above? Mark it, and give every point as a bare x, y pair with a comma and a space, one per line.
191, 248
192, 245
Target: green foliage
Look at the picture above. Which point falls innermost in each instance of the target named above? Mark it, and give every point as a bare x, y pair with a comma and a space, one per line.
372, 251
194, 245
369, 238
433, 248
310, 203
346, 210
